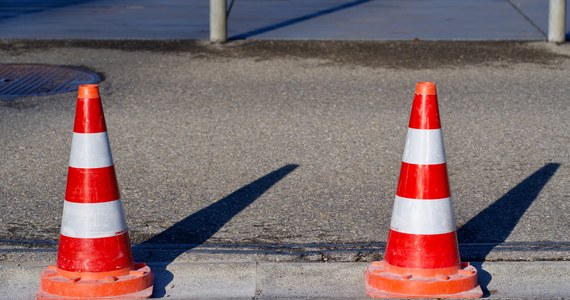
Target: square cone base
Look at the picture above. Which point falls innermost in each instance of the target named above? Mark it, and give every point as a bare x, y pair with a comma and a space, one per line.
381, 283
135, 283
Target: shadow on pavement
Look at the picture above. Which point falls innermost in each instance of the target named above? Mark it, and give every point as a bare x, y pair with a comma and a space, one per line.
483, 278
297, 20
494, 224
17, 8
491, 227
203, 224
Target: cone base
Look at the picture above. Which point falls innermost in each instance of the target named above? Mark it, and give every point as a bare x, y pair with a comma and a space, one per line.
381, 281
128, 283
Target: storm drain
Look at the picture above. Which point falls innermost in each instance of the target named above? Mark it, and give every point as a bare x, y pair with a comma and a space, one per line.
21, 80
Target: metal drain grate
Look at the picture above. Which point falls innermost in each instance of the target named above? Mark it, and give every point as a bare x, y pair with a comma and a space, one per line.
21, 80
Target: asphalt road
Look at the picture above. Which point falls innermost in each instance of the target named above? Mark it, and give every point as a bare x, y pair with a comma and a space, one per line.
298, 143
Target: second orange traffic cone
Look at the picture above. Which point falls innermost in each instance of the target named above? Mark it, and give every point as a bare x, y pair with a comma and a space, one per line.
94, 259
422, 255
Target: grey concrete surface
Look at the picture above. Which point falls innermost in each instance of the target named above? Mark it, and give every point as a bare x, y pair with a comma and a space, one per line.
299, 143
267, 280
278, 19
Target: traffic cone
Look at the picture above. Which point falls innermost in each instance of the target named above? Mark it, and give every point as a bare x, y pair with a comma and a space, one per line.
94, 258
422, 254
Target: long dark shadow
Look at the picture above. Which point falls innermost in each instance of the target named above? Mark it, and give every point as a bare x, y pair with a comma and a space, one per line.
297, 20
198, 227
17, 8
494, 224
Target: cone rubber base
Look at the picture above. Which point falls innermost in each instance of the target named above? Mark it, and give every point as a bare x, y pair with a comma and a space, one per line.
385, 281
136, 283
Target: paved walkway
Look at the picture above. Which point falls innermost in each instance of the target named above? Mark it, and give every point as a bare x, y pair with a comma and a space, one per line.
250, 279
277, 19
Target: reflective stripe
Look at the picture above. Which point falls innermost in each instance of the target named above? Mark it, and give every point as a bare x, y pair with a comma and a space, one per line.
93, 220
414, 216
90, 150
424, 147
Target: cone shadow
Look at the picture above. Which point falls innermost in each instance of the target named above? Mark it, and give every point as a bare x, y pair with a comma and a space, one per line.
494, 224
198, 227
483, 278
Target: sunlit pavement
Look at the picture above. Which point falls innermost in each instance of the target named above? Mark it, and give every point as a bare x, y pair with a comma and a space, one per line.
264, 154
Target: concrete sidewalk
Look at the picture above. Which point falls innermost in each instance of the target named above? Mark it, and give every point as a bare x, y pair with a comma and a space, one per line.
225, 279
237, 272
277, 19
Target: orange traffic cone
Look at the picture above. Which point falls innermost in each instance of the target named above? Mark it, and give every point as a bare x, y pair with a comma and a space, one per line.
422, 255
94, 257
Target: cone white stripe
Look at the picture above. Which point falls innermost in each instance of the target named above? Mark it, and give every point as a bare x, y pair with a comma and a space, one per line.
415, 216
424, 147
90, 150
93, 220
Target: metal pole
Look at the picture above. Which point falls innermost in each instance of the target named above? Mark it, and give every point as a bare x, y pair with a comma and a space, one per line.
218, 25
557, 21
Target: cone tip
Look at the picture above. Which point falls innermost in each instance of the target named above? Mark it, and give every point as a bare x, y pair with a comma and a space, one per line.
88, 91
426, 88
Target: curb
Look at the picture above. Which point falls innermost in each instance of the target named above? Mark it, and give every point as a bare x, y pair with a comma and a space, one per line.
261, 279
46, 251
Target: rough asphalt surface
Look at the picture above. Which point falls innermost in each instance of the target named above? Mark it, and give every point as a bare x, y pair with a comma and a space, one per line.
299, 143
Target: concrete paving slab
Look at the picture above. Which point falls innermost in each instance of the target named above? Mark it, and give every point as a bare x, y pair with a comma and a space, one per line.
386, 20
212, 280
278, 19
513, 280
263, 280
536, 12
128, 19
307, 280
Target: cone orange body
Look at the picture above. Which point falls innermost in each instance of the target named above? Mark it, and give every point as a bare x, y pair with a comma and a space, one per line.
422, 254
94, 257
